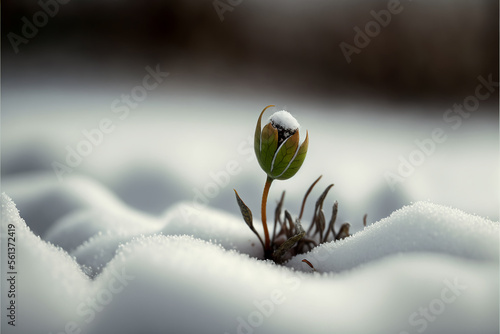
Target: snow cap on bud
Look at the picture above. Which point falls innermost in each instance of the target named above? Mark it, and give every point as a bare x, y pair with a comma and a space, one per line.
277, 145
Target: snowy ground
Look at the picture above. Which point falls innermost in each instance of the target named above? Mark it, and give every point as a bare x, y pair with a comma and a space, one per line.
148, 237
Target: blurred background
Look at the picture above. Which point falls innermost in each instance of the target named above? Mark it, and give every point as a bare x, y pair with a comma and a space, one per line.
429, 50
226, 61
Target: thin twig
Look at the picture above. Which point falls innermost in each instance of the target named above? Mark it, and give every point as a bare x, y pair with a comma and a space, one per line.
277, 216
317, 209
288, 218
309, 264
332, 222
306, 195
343, 232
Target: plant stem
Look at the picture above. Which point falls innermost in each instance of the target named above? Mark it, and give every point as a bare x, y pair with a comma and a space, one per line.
267, 247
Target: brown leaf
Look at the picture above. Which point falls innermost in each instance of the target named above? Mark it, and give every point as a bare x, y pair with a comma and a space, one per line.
306, 195
343, 232
287, 245
247, 215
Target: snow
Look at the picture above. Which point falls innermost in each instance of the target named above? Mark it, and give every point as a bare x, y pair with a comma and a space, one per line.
144, 235
284, 120
50, 284
180, 283
206, 224
420, 227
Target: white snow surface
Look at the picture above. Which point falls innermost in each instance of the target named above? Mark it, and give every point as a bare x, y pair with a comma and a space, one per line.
167, 279
284, 119
143, 235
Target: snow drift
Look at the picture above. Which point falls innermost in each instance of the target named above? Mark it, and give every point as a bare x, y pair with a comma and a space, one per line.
424, 267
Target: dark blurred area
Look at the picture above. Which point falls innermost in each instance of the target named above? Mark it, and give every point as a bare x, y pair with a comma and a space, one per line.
429, 52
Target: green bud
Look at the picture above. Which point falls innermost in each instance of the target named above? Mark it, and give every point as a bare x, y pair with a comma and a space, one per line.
277, 145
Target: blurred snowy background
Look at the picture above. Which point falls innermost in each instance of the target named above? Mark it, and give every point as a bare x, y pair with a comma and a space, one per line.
88, 62
116, 111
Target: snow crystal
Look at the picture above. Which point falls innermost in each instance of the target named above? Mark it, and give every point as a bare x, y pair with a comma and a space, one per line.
285, 120
50, 284
173, 283
420, 227
96, 250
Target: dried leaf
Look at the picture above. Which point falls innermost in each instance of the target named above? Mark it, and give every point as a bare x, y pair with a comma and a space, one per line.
332, 222
343, 232
317, 209
307, 195
277, 216
321, 222
321, 199
291, 230
309, 264
247, 215
287, 245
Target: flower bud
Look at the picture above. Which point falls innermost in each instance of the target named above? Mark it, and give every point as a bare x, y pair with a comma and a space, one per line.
277, 145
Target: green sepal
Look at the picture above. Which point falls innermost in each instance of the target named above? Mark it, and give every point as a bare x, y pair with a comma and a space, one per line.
297, 162
285, 155
269, 145
258, 134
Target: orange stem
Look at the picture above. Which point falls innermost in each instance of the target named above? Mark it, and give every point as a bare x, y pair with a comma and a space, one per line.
267, 247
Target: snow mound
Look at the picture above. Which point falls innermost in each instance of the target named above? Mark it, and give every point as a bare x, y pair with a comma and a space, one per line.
213, 225
284, 120
36, 194
49, 283
185, 285
205, 223
180, 284
420, 227
73, 229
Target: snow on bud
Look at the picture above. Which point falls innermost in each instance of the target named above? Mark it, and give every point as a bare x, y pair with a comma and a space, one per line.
277, 145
